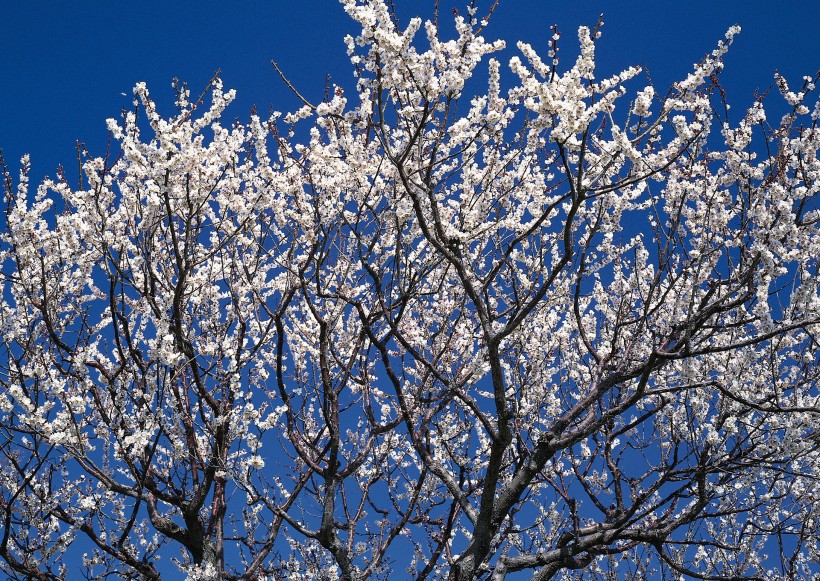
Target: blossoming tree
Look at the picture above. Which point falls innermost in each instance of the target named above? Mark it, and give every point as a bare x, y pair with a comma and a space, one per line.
442, 328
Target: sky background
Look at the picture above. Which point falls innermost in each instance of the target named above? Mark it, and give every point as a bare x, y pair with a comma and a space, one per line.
65, 65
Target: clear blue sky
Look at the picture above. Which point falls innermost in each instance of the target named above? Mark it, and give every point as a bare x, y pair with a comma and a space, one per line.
66, 64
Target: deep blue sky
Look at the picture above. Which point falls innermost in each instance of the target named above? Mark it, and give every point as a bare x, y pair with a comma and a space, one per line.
66, 64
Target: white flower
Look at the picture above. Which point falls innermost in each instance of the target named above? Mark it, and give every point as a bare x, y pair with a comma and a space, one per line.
643, 101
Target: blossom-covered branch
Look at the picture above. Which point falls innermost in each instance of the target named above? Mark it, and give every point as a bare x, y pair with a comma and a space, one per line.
444, 327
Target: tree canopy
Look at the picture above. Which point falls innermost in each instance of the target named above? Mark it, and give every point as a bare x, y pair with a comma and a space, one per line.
469, 321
